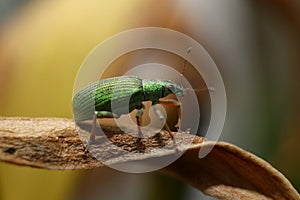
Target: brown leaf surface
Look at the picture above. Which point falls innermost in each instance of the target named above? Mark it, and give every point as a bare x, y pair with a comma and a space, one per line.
228, 172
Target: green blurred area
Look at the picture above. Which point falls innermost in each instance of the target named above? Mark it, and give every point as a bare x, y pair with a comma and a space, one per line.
43, 43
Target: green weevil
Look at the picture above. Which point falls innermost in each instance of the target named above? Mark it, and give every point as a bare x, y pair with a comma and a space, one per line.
127, 93
95, 100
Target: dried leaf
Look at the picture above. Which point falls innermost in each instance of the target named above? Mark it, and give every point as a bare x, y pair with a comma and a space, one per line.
227, 172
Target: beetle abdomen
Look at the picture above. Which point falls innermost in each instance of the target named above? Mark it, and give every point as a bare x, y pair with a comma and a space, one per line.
123, 94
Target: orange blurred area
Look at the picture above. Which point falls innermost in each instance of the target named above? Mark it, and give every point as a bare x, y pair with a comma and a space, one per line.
255, 45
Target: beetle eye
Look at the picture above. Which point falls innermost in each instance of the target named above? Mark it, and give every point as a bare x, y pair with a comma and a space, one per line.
171, 88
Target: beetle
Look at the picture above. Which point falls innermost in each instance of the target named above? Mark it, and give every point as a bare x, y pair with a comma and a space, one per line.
126, 93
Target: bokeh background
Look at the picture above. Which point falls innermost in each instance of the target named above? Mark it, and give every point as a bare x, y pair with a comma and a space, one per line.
255, 44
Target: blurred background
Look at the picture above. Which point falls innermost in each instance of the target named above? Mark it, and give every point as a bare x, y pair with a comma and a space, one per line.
255, 44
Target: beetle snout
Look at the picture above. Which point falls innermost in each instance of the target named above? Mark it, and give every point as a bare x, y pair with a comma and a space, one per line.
178, 91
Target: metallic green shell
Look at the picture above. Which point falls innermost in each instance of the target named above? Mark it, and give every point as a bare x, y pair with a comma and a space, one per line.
104, 94
120, 95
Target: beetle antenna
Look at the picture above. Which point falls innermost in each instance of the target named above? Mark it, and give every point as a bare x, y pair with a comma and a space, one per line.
184, 64
211, 89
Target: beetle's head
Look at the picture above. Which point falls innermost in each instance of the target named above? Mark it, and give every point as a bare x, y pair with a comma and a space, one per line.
173, 88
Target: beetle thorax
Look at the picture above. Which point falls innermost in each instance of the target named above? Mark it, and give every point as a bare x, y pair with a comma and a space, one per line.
154, 90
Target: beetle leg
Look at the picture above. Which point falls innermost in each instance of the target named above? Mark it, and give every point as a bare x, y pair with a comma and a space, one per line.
99, 114
93, 133
158, 112
138, 117
106, 114
166, 127
174, 103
